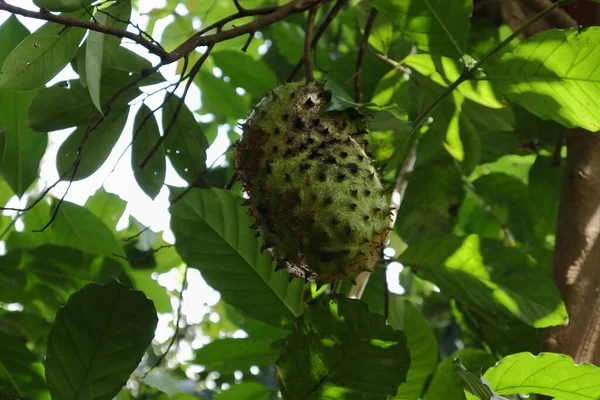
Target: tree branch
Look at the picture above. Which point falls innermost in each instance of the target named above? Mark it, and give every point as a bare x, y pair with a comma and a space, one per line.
308, 72
364, 44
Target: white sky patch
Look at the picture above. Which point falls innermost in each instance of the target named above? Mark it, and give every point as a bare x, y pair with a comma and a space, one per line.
117, 177
392, 274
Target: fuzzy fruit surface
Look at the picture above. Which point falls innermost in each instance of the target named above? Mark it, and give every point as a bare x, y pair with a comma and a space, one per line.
314, 193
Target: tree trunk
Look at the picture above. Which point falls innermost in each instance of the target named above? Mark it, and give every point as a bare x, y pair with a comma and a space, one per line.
577, 252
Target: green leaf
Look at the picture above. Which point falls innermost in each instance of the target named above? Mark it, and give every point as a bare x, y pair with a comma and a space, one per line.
444, 71
485, 274
62, 5
554, 375
415, 19
94, 56
44, 277
94, 150
155, 292
404, 316
340, 349
246, 72
186, 143
76, 226
63, 106
97, 340
229, 355
246, 391
21, 374
535, 75
446, 383
220, 98
212, 234
546, 179
151, 178
40, 56
381, 36
107, 206
12, 31
24, 148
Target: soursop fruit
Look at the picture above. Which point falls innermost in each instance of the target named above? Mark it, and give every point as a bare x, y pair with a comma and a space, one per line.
313, 190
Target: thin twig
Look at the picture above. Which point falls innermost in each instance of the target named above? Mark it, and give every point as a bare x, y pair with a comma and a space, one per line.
176, 333
395, 64
364, 43
448, 33
194, 71
310, 23
147, 254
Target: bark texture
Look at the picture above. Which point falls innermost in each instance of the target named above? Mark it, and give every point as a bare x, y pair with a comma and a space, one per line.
577, 252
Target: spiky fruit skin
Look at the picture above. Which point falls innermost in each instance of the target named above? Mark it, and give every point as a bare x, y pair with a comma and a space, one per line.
315, 194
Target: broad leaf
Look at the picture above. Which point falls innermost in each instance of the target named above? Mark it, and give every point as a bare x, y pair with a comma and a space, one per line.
12, 31
107, 206
63, 106
94, 56
151, 178
446, 383
97, 340
186, 143
62, 5
220, 98
24, 148
91, 148
484, 274
254, 75
246, 391
554, 375
40, 56
229, 355
432, 24
21, 373
340, 349
212, 233
422, 343
536, 75
444, 71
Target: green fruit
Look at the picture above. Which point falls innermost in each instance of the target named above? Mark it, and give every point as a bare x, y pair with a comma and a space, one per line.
313, 191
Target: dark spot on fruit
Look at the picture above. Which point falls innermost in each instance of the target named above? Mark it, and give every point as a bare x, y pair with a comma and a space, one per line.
314, 196
311, 220
313, 154
275, 149
453, 209
268, 168
277, 130
302, 147
365, 143
353, 206
322, 176
354, 192
353, 168
293, 94
299, 124
330, 160
288, 153
315, 122
343, 154
325, 131
347, 230
367, 192
366, 217
310, 140
285, 117
328, 200
377, 209
288, 177
309, 103
335, 221
289, 140
304, 167
360, 158
262, 209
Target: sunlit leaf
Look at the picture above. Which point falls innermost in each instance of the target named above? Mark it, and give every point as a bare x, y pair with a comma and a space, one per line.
94, 55
483, 273
220, 98
62, 5
97, 340
12, 32
212, 233
554, 375
341, 350
535, 75
229, 355
254, 75
246, 390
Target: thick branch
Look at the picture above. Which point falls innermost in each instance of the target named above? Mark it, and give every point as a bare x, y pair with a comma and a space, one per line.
307, 41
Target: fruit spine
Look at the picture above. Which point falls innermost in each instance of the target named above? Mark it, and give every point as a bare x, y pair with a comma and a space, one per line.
313, 190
